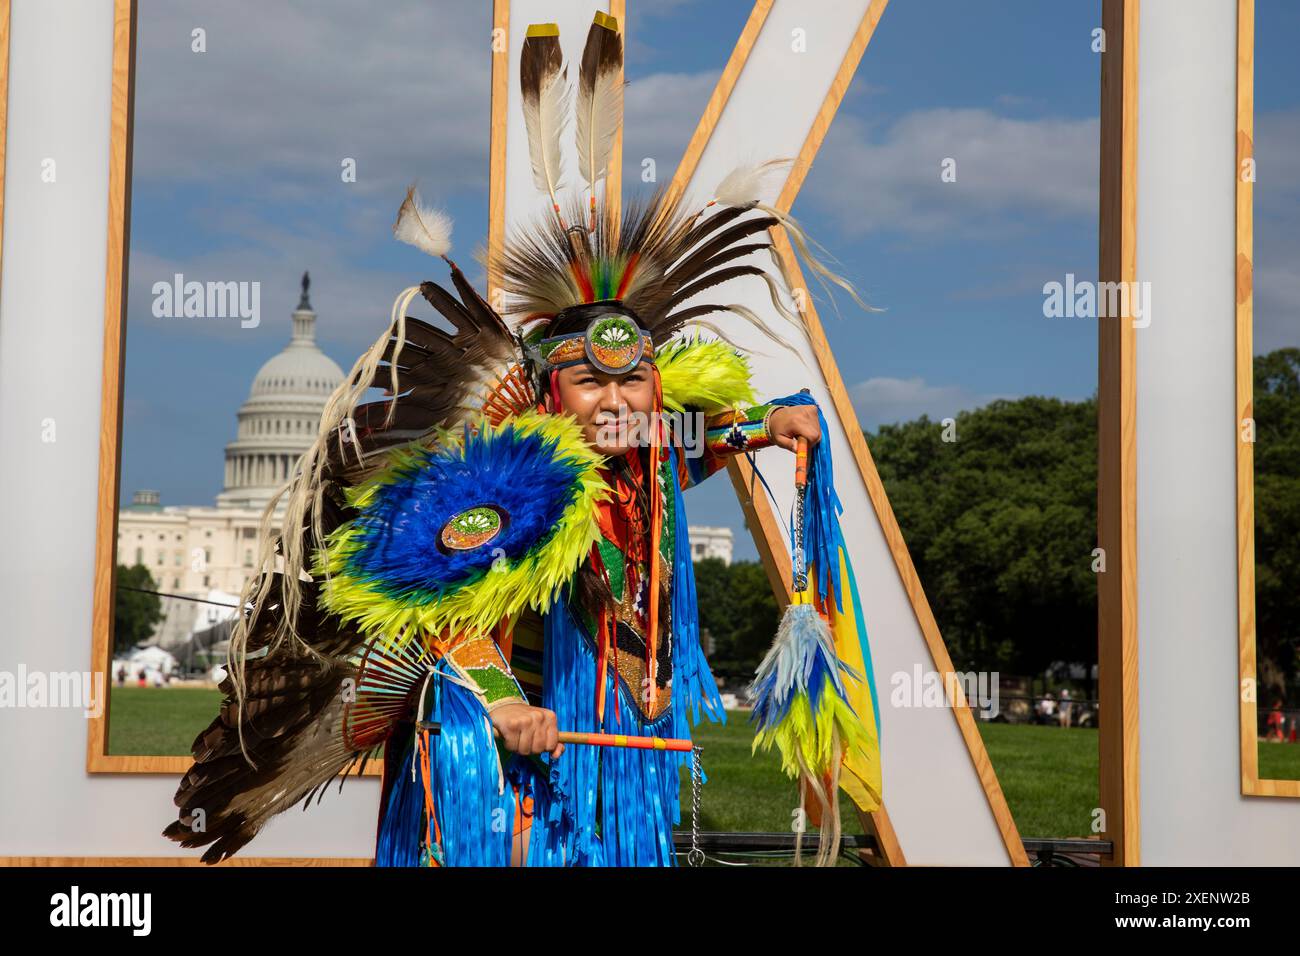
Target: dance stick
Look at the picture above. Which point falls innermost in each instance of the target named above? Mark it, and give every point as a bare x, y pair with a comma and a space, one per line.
624, 740
599, 740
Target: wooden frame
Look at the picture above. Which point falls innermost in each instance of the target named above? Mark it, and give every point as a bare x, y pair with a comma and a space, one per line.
1117, 650
1251, 784
4, 109
1117, 475
110, 410
760, 519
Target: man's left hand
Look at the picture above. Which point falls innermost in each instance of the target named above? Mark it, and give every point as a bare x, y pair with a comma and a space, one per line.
791, 422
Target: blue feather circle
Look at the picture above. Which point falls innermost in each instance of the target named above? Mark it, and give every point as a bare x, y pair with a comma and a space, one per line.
398, 531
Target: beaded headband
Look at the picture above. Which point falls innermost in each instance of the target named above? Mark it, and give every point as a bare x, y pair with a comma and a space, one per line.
613, 341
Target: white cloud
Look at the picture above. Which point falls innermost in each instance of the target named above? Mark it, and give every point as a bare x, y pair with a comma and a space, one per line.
244, 143
884, 400
1009, 173
286, 90
660, 113
1277, 231
352, 304
248, 137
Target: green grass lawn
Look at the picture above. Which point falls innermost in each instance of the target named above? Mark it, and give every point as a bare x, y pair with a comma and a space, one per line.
744, 792
158, 721
1048, 774
1279, 761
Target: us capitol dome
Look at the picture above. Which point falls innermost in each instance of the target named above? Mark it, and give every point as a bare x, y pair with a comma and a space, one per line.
199, 556
278, 421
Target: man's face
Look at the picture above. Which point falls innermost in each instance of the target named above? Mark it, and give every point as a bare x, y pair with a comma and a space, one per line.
602, 403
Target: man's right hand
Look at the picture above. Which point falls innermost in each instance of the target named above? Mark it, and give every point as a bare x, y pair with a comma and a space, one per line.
527, 730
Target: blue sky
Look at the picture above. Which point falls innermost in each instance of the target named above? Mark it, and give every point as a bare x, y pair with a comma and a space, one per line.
1277, 188
237, 177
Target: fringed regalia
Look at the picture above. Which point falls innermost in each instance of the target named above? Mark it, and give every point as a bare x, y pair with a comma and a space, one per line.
459, 546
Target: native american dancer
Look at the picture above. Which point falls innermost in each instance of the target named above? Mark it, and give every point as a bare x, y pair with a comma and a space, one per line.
496, 556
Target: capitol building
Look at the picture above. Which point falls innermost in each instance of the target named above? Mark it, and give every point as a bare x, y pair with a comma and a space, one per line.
200, 556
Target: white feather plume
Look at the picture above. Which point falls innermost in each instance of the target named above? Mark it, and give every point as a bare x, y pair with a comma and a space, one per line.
744, 184
544, 121
422, 226
600, 98
598, 121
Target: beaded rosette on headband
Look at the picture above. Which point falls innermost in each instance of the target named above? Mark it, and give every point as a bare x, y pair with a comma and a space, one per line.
612, 342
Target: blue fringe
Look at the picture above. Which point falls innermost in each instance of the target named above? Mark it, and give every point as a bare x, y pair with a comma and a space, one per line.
822, 538
398, 843
477, 822
639, 789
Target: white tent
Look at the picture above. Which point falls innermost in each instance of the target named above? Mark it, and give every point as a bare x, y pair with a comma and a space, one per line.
153, 662
221, 607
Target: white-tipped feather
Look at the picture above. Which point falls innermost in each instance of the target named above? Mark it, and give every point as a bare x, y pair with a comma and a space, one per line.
599, 117
423, 226
744, 184
544, 120
599, 104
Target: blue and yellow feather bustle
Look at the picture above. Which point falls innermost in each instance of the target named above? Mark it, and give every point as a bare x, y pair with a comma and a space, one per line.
814, 694
463, 535
451, 539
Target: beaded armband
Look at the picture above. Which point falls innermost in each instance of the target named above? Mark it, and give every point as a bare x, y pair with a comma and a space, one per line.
732, 432
479, 662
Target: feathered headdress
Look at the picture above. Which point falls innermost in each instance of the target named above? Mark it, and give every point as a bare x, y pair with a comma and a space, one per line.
651, 263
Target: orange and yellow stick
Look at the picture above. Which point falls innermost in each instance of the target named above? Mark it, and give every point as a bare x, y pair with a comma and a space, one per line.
599, 740
625, 740
801, 464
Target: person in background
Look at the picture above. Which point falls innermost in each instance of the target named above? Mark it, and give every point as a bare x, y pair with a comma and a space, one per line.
1276, 721
1067, 709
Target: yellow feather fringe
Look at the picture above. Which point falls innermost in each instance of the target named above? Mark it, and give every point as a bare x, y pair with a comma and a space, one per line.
708, 376
800, 732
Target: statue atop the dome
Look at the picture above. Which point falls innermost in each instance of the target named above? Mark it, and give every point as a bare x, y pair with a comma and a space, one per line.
304, 302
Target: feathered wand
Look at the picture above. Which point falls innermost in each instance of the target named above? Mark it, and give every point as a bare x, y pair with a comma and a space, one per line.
804, 690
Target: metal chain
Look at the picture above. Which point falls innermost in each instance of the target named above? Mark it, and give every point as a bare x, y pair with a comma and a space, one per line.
696, 856
800, 562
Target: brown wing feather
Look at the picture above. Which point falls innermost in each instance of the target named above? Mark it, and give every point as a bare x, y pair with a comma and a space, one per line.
442, 376
292, 720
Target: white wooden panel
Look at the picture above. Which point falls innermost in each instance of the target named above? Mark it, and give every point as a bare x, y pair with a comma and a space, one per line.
1193, 812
